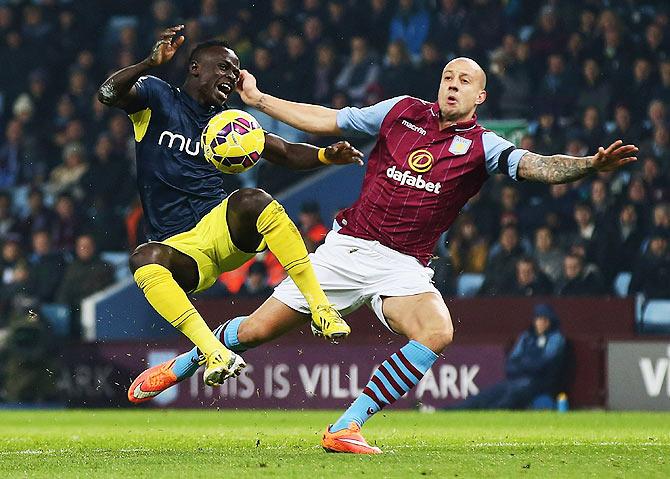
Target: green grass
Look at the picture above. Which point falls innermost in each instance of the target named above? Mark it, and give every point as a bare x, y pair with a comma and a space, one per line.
239, 444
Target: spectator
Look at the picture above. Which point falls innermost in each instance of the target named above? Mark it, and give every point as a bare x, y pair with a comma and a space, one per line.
86, 275
46, 268
579, 280
601, 205
428, 72
548, 136
591, 130
313, 34
659, 146
623, 127
325, 70
594, 90
39, 218
359, 73
591, 235
549, 259
410, 25
651, 276
67, 178
396, 73
548, 38
502, 260
12, 155
662, 90
339, 26
514, 80
256, 284
105, 180
654, 180
66, 225
467, 46
528, 280
623, 245
8, 222
264, 68
14, 275
448, 24
653, 47
535, 366
312, 228
467, 249
556, 93
661, 217
641, 88
656, 117
294, 76
377, 22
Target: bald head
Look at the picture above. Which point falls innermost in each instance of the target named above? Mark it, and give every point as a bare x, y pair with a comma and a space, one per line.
465, 64
461, 90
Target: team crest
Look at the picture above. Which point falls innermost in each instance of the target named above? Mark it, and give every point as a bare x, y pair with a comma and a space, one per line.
420, 161
459, 145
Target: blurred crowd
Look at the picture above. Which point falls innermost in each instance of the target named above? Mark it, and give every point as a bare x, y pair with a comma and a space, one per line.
580, 73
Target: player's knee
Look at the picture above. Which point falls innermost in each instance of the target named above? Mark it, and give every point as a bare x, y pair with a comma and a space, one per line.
438, 335
149, 253
250, 202
444, 335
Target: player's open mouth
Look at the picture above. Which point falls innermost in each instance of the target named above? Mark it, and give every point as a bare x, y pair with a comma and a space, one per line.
451, 100
224, 88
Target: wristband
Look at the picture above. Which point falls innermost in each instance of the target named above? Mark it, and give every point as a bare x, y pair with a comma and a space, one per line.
322, 156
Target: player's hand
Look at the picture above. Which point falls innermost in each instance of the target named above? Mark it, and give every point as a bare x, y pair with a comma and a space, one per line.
342, 153
165, 48
246, 87
615, 156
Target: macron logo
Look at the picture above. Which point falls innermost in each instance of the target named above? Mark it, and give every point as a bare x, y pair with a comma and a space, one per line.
413, 127
407, 178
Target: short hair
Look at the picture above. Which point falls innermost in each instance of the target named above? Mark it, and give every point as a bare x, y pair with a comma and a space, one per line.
204, 46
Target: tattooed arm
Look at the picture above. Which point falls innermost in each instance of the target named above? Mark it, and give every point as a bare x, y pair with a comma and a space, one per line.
119, 90
564, 169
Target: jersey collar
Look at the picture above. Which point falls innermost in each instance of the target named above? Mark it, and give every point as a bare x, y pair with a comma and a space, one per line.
455, 128
197, 107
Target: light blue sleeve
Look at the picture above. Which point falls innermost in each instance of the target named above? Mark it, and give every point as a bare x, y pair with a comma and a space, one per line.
494, 145
365, 121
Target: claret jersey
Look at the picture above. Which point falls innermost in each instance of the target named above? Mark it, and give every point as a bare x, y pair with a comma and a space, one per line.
418, 178
177, 185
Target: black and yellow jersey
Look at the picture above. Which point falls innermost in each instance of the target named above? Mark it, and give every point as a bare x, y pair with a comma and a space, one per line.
177, 185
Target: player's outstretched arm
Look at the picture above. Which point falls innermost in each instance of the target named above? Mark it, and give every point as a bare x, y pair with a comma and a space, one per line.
314, 119
119, 91
301, 156
564, 168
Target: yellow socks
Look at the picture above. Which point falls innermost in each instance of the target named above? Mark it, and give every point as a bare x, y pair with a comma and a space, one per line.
166, 297
284, 240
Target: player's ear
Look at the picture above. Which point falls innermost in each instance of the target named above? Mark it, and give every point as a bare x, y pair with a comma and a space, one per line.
481, 97
194, 68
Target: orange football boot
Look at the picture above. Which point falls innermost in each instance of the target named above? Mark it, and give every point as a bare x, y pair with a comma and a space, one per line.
152, 382
347, 440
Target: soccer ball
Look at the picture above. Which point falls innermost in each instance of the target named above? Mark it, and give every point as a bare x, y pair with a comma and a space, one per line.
233, 141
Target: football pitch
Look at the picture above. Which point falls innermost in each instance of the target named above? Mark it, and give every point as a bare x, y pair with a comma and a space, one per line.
240, 444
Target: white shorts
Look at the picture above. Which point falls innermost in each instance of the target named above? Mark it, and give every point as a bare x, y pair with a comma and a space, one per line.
354, 272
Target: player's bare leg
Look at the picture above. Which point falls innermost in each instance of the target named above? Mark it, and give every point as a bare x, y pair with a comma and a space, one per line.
424, 319
253, 217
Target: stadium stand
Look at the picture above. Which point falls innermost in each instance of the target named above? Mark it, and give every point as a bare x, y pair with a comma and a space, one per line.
67, 161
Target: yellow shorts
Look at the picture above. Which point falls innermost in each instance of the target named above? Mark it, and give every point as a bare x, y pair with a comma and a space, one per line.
210, 245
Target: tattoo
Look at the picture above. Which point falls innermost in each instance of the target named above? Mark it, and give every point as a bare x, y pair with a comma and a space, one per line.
261, 103
554, 169
107, 92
